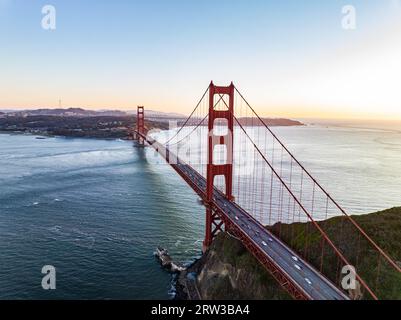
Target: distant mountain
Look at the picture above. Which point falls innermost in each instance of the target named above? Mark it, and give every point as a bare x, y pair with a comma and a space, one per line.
273, 122
70, 112
159, 114
80, 112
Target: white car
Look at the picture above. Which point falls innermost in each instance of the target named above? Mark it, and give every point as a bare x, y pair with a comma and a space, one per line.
308, 281
264, 243
270, 239
294, 258
298, 267
236, 218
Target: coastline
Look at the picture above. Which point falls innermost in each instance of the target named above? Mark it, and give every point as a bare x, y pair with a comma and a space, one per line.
47, 135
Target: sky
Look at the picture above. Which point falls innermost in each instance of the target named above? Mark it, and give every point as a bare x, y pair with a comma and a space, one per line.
289, 58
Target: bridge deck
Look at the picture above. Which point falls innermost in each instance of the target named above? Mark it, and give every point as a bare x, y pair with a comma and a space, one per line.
313, 284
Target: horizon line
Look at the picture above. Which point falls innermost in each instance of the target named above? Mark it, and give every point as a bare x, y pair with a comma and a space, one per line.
273, 116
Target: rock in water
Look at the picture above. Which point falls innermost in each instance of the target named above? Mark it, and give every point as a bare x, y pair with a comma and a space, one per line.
166, 261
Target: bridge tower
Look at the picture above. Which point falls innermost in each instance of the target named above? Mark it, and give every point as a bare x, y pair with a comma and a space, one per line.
214, 224
140, 125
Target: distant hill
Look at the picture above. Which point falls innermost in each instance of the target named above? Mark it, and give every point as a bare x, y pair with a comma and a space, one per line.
150, 115
270, 122
80, 112
70, 112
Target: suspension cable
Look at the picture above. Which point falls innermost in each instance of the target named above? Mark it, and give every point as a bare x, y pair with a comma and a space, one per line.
186, 121
196, 127
329, 241
356, 225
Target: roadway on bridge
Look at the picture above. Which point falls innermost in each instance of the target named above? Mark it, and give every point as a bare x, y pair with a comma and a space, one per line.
312, 282
306, 277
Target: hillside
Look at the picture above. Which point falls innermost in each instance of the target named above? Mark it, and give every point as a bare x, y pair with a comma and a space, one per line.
228, 271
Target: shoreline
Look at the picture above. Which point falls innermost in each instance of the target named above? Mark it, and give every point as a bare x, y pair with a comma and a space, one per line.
184, 282
47, 135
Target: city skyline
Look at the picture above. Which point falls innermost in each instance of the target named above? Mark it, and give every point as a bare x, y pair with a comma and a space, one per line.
300, 63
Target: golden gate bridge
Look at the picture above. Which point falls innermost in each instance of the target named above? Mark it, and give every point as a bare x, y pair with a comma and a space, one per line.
253, 187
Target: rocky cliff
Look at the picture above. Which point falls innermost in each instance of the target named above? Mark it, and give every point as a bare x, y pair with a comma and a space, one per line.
227, 271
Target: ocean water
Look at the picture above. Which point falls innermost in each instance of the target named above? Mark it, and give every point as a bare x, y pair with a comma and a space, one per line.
96, 210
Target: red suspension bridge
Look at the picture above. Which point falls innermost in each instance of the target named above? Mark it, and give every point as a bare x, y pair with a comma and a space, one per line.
255, 189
